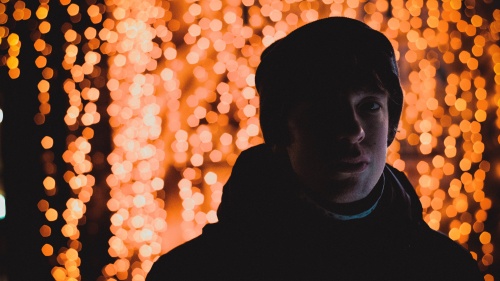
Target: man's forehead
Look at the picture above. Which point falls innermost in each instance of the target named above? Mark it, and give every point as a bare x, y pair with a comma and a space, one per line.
334, 95
333, 100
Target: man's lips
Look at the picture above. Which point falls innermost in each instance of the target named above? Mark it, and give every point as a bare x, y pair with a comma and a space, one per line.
351, 167
351, 159
351, 164
354, 160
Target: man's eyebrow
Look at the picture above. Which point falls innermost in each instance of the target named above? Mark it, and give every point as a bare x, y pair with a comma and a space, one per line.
373, 93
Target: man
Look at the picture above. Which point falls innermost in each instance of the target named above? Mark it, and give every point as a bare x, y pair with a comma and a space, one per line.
317, 201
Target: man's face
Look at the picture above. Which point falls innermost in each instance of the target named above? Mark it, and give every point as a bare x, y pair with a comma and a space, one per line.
338, 146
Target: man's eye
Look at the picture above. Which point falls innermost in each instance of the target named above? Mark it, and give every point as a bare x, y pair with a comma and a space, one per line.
370, 106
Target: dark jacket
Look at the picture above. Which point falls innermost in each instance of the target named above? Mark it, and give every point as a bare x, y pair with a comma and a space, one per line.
266, 231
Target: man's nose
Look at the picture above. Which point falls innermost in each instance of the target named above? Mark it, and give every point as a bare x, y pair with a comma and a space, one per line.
350, 128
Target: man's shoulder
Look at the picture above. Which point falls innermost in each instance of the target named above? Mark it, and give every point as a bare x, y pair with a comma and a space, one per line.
443, 245
177, 263
202, 258
445, 256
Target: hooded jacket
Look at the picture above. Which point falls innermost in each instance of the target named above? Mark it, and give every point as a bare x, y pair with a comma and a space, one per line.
268, 229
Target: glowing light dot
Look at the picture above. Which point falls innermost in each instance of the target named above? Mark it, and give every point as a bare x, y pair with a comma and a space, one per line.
454, 234
47, 142
13, 39
229, 17
198, 198
460, 104
70, 35
200, 112
120, 60
215, 156
212, 216
215, 5
166, 74
211, 178
49, 183
137, 221
58, 273
425, 138
157, 184
485, 238
252, 130
119, 13
72, 51
3, 209
249, 110
461, 204
71, 254
145, 250
477, 20
226, 139
170, 53
47, 250
203, 43
42, 12
44, 27
73, 9
43, 86
12, 62
188, 204
205, 136
465, 164
480, 115
197, 160
139, 201
93, 10
51, 214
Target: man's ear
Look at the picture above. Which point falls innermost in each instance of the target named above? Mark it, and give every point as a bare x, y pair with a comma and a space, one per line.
391, 134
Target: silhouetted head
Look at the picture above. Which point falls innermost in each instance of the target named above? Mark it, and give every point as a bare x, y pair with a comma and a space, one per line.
320, 61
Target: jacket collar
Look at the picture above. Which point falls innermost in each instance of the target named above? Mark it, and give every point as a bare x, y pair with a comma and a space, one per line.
263, 187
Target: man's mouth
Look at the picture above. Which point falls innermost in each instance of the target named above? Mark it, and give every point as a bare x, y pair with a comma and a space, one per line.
351, 166
354, 164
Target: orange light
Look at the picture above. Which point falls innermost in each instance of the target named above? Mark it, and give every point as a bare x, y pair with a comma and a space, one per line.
47, 250
73, 9
51, 214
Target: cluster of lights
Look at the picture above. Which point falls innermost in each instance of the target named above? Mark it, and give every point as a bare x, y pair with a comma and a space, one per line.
13, 64
138, 159
3, 207
20, 13
44, 49
207, 85
444, 118
82, 91
183, 105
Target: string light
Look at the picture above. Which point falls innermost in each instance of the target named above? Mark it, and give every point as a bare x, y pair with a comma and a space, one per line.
183, 105
83, 92
3, 207
138, 158
44, 50
20, 13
